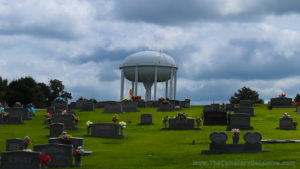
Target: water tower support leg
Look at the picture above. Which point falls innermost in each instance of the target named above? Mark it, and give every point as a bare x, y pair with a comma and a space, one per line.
167, 82
122, 86
132, 88
172, 84
136, 81
155, 82
175, 84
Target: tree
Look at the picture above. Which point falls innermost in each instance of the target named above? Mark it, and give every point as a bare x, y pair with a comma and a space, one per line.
45, 89
246, 93
57, 89
297, 98
3, 88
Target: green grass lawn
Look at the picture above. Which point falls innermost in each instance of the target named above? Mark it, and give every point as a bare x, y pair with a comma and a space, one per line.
149, 147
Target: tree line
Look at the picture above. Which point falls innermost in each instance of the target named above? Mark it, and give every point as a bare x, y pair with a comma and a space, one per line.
26, 90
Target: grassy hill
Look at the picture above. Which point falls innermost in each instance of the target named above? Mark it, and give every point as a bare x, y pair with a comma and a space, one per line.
150, 147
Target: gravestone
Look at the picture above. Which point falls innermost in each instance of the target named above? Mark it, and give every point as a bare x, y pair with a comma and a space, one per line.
240, 121
75, 141
207, 108
130, 106
218, 144
156, 103
20, 160
176, 124
14, 117
281, 102
149, 103
245, 103
67, 120
186, 103
60, 105
166, 107
141, 104
18, 105
229, 107
214, 118
247, 110
113, 107
14, 144
287, 124
56, 129
61, 154
23, 111
72, 105
105, 130
215, 107
87, 106
146, 119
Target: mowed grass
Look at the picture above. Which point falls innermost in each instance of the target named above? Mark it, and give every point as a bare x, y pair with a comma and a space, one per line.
150, 147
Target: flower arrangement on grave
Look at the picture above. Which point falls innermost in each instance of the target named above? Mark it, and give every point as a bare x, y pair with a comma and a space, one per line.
115, 118
5, 116
88, 124
282, 95
1, 109
65, 137
136, 97
297, 104
177, 107
64, 112
27, 141
59, 99
122, 125
235, 137
79, 151
31, 108
236, 132
286, 115
181, 116
44, 159
165, 121
198, 121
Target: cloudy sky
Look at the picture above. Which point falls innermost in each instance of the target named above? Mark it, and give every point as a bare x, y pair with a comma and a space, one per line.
219, 46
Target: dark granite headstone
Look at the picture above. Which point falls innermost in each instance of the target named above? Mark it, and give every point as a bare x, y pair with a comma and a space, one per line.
72, 105
56, 129
215, 118
14, 117
166, 107
149, 103
229, 107
23, 111
61, 154
130, 106
20, 160
245, 103
141, 104
253, 142
67, 120
281, 102
240, 121
146, 119
14, 144
60, 105
113, 107
75, 141
87, 106
186, 103
218, 138
176, 124
105, 130
18, 105
246, 110
287, 124
215, 107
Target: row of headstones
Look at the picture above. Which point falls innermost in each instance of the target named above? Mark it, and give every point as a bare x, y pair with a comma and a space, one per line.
280, 102
245, 106
218, 144
67, 120
16, 115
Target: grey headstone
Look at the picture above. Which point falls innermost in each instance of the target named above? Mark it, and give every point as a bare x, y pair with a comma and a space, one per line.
14, 117
240, 121
247, 110
23, 111
105, 130
20, 160
287, 124
113, 107
229, 107
67, 120
281, 102
75, 141
56, 129
253, 137
165, 107
176, 124
218, 138
130, 106
207, 108
215, 118
61, 154
245, 103
146, 118
14, 144
87, 106
215, 107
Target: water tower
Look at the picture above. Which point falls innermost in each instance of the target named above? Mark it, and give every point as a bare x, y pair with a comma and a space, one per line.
149, 67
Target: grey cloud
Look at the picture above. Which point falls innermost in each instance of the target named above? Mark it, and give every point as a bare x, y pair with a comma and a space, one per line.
176, 12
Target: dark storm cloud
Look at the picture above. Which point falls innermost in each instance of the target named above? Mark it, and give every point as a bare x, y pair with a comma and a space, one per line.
178, 11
